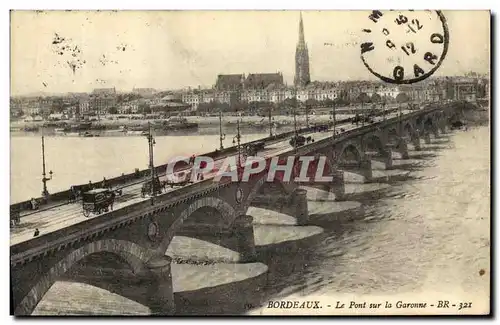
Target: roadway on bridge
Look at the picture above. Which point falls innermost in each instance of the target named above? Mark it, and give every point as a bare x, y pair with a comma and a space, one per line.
65, 215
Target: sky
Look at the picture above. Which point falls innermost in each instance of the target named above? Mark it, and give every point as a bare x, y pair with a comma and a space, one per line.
180, 49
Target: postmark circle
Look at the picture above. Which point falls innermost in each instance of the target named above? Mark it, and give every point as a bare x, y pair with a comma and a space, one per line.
404, 47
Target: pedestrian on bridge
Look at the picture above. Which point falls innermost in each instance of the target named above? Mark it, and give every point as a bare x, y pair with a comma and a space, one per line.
37, 232
34, 204
104, 182
113, 195
74, 194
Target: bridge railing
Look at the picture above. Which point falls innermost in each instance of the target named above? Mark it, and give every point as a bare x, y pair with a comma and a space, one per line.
357, 131
96, 224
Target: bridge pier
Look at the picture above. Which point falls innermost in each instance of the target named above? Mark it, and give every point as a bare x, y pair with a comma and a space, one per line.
427, 138
385, 157
366, 170
416, 142
338, 185
388, 158
363, 168
403, 149
239, 237
435, 131
442, 126
160, 291
294, 204
243, 228
299, 201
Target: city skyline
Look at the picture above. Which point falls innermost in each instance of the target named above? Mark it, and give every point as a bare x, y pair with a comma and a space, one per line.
175, 50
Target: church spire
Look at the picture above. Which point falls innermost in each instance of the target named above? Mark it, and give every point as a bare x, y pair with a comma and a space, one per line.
302, 42
302, 77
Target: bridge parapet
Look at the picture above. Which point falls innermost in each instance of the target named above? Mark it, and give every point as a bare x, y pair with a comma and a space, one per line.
29, 249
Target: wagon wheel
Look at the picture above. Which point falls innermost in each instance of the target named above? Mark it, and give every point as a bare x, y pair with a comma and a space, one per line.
143, 194
86, 213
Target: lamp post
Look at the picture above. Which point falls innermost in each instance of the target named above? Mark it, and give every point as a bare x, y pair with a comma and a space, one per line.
270, 123
383, 112
295, 122
307, 117
237, 141
334, 120
221, 135
400, 118
362, 112
45, 192
151, 143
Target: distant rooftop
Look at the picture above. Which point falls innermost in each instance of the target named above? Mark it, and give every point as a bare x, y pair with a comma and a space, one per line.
104, 91
229, 81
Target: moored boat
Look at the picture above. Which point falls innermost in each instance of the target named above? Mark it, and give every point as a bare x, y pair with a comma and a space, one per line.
78, 127
176, 124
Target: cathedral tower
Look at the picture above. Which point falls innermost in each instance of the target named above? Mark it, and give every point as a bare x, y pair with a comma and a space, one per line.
302, 77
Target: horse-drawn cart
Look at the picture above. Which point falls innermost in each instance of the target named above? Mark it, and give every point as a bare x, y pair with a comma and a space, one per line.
97, 201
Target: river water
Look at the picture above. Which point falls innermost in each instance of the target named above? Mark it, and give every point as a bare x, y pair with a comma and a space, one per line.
76, 160
425, 236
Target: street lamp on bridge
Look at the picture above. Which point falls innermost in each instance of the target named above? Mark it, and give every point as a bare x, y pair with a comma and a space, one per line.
237, 141
383, 112
270, 122
307, 116
45, 192
334, 119
221, 135
151, 143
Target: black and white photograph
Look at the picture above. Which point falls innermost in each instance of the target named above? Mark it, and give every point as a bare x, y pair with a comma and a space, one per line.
250, 162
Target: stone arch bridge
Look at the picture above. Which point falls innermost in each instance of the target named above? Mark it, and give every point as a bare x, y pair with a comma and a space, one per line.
138, 235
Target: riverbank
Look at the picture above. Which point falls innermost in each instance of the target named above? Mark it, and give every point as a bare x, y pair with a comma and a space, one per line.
202, 120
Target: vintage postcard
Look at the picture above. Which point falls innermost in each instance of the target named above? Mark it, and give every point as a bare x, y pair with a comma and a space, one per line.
250, 162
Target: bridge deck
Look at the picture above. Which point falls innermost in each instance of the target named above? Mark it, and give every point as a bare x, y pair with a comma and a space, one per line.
63, 215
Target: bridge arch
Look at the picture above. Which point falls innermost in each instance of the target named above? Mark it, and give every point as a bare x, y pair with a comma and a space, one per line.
393, 135
428, 123
373, 143
456, 114
135, 255
350, 152
226, 211
285, 188
419, 125
408, 129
